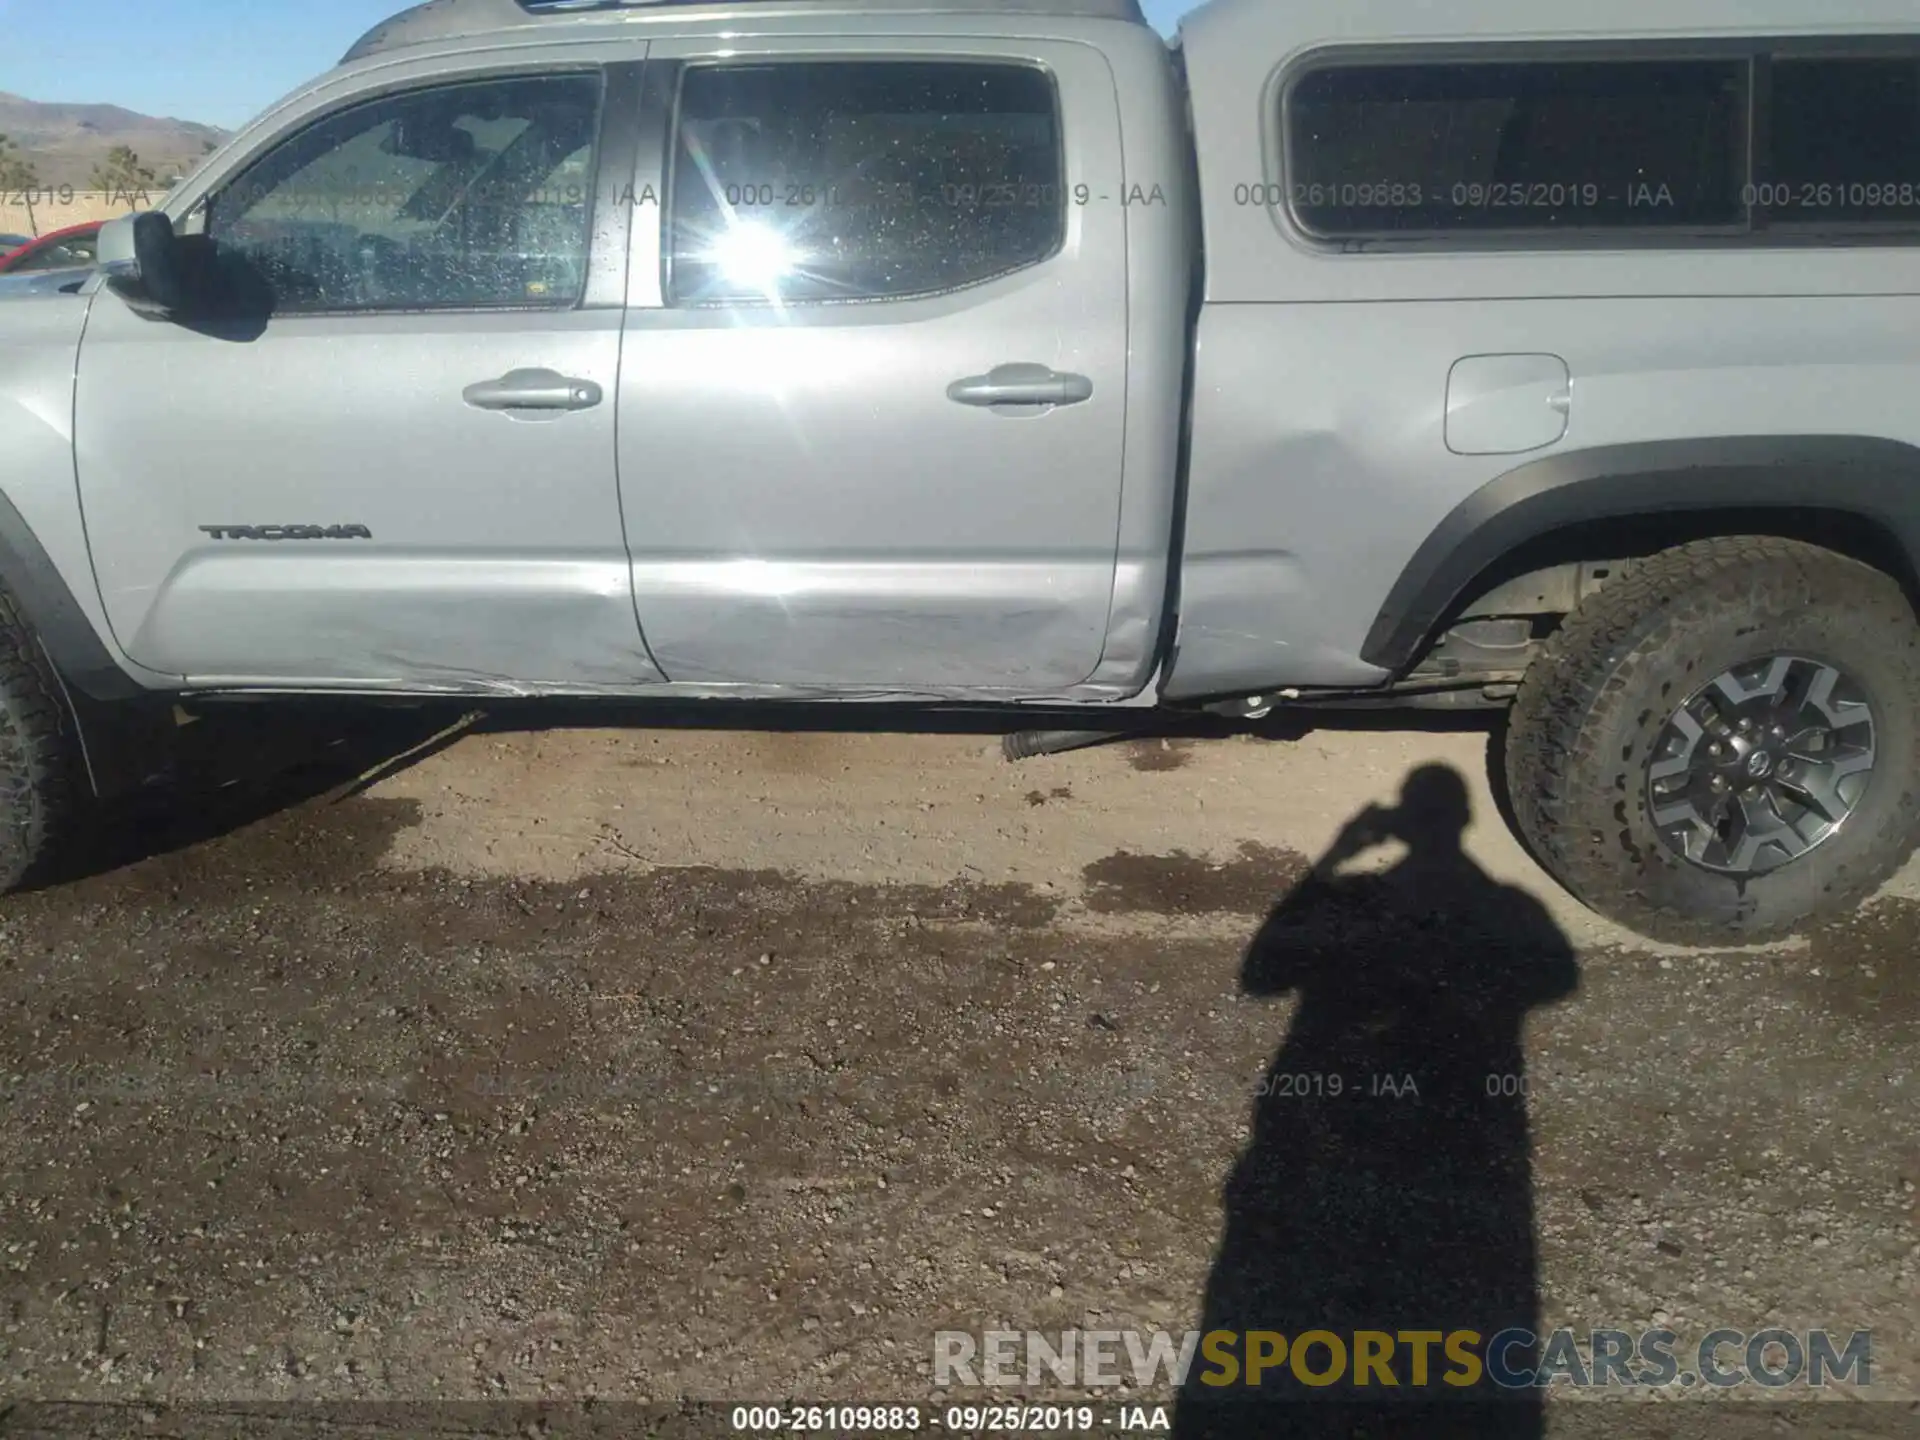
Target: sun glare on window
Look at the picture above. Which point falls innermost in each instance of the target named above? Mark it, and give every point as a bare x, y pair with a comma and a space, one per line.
751, 255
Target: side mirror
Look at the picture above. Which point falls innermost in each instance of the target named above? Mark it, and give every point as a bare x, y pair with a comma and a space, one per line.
115, 252
142, 262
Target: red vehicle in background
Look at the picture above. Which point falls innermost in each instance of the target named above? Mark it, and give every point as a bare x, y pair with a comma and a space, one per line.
73, 248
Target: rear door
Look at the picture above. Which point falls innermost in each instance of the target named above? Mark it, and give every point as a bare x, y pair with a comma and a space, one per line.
873, 376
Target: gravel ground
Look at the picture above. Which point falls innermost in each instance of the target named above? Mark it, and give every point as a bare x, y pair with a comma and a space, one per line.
676, 1064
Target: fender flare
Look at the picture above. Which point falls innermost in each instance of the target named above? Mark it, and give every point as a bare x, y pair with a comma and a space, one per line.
1875, 480
46, 601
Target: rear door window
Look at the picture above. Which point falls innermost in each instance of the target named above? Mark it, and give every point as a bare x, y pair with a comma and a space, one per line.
858, 180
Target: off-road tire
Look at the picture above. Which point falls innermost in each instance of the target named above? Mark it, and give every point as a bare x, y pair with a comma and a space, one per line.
1595, 703
40, 761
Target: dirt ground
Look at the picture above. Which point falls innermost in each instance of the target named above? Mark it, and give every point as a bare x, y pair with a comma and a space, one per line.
665, 1064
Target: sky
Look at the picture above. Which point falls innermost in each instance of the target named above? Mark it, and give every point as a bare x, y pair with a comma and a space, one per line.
220, 62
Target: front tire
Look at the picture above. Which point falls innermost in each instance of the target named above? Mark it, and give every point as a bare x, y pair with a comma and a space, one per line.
1724, 743
40, 760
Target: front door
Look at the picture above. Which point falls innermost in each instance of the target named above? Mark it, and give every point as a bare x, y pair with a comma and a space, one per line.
402, 476
871, 416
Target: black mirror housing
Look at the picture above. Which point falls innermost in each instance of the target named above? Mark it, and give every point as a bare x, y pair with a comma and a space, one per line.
156, 254
181, 277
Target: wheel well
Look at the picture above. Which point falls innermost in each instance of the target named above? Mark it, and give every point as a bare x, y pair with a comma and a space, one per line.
1493, 630
1564, 564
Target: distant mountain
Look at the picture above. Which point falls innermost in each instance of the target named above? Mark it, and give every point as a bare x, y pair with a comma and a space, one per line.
65, 142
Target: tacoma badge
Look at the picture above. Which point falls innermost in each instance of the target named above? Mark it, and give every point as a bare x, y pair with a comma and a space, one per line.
287, 532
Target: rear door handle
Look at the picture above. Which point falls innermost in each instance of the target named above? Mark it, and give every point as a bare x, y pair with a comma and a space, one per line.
533, 390
1021, 384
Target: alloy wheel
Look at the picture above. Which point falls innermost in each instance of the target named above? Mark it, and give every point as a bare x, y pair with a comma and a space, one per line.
1761, 765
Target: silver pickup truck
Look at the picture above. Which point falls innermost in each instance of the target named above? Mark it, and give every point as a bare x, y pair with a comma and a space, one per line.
998, 352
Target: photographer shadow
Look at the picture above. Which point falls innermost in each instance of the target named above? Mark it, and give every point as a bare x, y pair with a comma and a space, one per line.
1387, 1186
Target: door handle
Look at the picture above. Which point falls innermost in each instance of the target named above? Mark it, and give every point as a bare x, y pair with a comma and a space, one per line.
1022, 384
533, 390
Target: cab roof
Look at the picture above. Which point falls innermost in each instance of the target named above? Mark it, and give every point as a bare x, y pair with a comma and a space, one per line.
446, 20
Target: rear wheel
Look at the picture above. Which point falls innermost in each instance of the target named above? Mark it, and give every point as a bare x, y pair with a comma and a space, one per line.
1724, 743
40, 762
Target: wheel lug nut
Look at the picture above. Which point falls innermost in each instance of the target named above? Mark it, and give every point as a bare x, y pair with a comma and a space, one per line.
1719, 782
